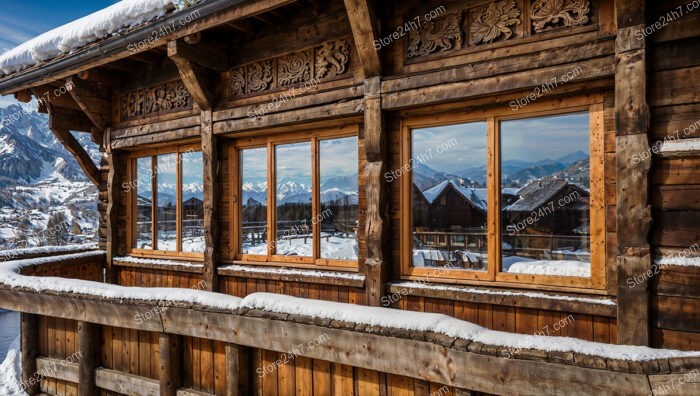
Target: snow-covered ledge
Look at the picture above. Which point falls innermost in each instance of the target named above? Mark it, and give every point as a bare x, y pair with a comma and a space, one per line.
159, 264
589, 305
679, 148
338, 278
462, 354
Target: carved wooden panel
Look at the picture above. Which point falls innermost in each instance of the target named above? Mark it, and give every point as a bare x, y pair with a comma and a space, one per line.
163, 98
441, 34
459, 30
328, 61
554, 14
495, 21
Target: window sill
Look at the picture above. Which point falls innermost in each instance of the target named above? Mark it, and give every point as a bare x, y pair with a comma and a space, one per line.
336, 278
582, 304
159, 264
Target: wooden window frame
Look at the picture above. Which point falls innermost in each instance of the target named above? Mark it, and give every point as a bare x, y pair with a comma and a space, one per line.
493, 276
132, 205
270, 141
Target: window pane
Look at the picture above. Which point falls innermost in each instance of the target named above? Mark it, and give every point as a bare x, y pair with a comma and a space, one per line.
338, 214
449, 196
144, 203
293, 191
546, 165
166, 168
254, 201
192, 202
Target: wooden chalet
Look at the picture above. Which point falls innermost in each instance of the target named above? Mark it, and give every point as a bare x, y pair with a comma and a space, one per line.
274, 99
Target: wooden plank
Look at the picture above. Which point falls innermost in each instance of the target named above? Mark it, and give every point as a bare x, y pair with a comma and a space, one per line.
303, 376
169, 365
238, 371
58, 369
321, 377
193, 76
676, 313
343, 381
687, 384
29, 333
207, 366
90, 353
126, 384
365, 31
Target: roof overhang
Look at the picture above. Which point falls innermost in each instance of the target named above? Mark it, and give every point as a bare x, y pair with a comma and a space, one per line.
211, 13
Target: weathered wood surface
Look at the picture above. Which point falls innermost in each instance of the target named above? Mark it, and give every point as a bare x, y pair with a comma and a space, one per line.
89, 357
169, 364
211, 166
29, 339
126, 384
365, 31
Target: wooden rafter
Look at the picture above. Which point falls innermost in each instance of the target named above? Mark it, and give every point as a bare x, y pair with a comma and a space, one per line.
92, 101
365, 32
194, 76
61, 122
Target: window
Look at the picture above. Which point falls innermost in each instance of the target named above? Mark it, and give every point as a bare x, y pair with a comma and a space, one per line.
506, 197
298, 199
173, 180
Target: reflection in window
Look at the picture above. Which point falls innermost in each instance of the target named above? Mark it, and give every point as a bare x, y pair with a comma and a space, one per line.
254, 201
339, 199
448, 171
192, 202
144, 203
293, 181
546, 165
166, 167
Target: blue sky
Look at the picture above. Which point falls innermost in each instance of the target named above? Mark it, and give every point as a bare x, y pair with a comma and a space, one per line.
21, 20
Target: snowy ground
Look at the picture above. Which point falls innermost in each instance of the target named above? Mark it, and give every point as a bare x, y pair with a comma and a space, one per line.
11, 372
331, 248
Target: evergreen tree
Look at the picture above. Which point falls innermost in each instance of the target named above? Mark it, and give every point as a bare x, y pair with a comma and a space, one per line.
57, 230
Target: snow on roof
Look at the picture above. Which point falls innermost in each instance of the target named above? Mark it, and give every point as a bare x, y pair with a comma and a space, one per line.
477, 196
74, 35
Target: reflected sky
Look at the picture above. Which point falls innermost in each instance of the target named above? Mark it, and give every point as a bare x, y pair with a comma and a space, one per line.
465, 143
536, 139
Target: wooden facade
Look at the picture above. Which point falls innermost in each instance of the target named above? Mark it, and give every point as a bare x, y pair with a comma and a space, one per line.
268, 73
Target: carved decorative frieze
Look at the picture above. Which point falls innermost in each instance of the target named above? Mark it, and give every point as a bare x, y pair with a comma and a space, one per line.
294, 68
164, 98
495, 21
324, 62
553, 14
441, 34
332, 58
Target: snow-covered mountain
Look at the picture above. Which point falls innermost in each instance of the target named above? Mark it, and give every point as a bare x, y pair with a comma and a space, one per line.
335, 189
39, 178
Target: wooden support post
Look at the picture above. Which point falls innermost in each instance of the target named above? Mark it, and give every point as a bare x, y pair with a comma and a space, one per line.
376, 268
365, 33
90, 355
211, 201
112, 210
30, 350
632, 118
238, 371
169, 364
194, 76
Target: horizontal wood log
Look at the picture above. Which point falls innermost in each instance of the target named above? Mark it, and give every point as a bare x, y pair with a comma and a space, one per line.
157, 138
589, 70
674, 384
406, 357
126, 384
318, 113
58, 369
155, 127
190, 268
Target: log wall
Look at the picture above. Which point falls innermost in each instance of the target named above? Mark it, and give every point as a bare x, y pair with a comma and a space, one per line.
675, 195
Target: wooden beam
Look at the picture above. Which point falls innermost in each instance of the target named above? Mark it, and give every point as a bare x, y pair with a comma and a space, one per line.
457, 367
365, 31
169, 361
58, 369
194, 76
237, 370
90, 355
101, 76
24, 96
633, 217
29, 333
376, 267
211, 201
112, 211
126, 384
92, 100
195, 54
73, 146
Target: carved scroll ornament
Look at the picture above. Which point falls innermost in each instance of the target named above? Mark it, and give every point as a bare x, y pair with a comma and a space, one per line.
554, 14
494, 21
